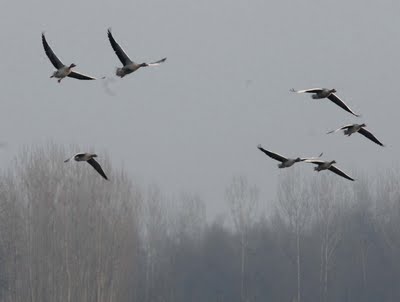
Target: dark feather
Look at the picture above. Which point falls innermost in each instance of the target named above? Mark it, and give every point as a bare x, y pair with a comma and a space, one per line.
79, 76
370, 136
123, 57
273, 155
97, 167
339, 172
50, 54
340, 103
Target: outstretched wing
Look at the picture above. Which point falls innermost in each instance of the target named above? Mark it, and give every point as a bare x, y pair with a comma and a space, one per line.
50, 54
123, 57
315, 161
370, 136
341, 128
272, 154
333, 97
156, 63
68, 159
311, 158
97, 167
311, 90
80, 76
339, 172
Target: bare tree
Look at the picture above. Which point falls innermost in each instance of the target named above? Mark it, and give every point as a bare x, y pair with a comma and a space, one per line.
75, 234
68, 235
243, 202
328, 201
155, 235
294, 208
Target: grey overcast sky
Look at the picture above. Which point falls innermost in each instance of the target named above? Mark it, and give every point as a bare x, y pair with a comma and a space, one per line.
195, 121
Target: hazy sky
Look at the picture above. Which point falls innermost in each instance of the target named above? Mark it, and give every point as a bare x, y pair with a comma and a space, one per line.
195, 121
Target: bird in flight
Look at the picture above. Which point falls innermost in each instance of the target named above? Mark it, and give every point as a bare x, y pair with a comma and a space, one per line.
285, 162
358, 128
89, 158
129, 66
322, 93
62, 70
328, 165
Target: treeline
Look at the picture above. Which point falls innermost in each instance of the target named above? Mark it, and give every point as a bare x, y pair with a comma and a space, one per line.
68, 235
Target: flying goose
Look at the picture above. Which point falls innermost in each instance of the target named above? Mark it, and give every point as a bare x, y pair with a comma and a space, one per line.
128, 65
321, 93
328, 165
62, 70
285, 162
89, 158
353, 128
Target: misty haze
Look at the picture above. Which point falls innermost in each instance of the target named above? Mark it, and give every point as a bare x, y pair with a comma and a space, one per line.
146, 184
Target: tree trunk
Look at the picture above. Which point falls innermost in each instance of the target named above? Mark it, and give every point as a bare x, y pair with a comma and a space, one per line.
298, 262
243, 250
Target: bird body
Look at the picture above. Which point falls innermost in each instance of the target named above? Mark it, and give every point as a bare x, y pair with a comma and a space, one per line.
289, 162
321, 93
324, 165
63, 72
127, 69
83, 156
353, 129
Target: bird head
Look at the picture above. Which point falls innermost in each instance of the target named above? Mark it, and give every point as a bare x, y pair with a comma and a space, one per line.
333, 162
144, 65
333, 90
363, 125
72, 65
297, 160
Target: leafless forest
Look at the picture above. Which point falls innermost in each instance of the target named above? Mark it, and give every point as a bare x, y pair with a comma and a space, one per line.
66, 235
